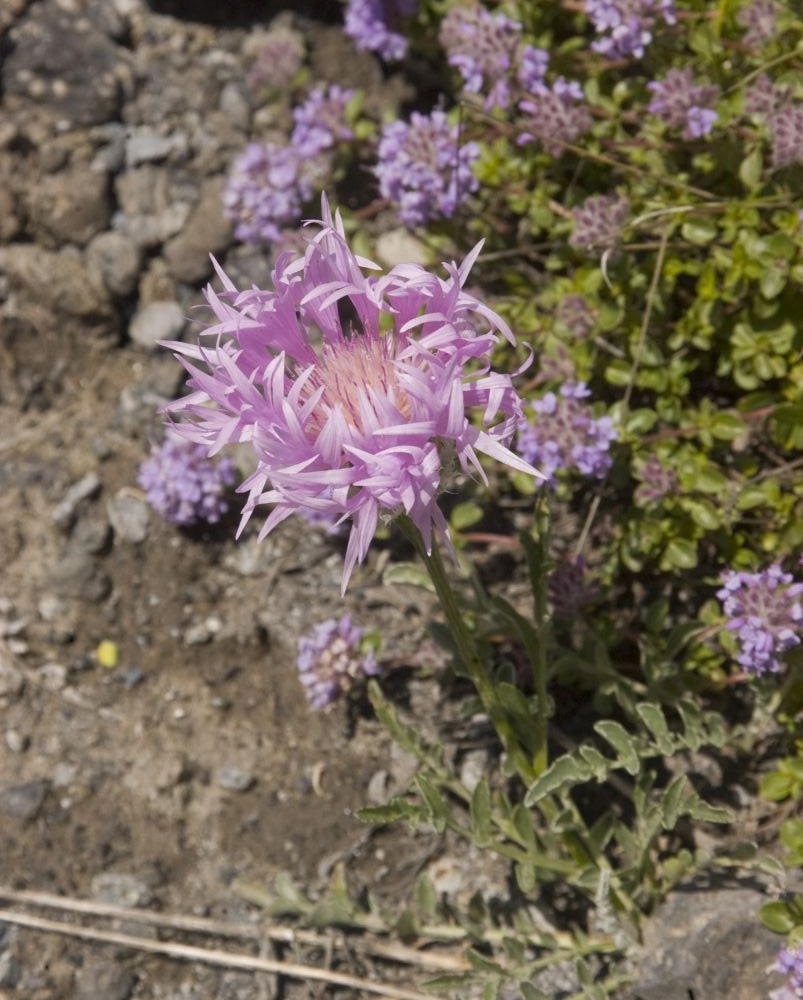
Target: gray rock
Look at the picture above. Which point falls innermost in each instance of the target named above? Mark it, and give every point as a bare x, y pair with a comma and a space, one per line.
145, 145
207, 232
60, 59
706, 942
87, 486
99, 980
129, 516
52, 676
77, 574
70, 206
121, 889
23, 801
117, 259
149, 213
16, 741
156, 321
92, 535
11, 678
234, 779
71, 288
10, 971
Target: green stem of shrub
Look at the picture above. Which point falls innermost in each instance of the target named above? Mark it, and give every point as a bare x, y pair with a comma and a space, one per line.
467, 650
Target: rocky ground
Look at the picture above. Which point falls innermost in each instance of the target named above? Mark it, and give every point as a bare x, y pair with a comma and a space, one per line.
194, 762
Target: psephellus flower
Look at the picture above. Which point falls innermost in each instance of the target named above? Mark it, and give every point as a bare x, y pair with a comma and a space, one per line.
330, 660
766, 615
352, 389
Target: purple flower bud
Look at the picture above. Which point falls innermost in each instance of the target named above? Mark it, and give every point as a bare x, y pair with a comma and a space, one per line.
183, 484
278, 60
556, 116
330, 661
765, 613
657, 481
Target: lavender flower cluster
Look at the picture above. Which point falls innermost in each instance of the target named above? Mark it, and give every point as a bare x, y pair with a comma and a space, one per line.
657, 481
423, 167
599, 221
330, 661
766, 614
683, 104
790, 963
183, 484
626, 26
774, 106
269, 183
760, 19
556, 115
374, 25
566, 435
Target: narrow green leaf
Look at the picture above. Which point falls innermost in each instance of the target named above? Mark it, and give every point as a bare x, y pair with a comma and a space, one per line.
622, 742
392, 812
692, 723
438, 810
673, 801
481, 814
599, 763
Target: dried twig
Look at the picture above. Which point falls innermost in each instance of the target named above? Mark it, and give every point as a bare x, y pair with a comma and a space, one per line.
209, 956
431, 961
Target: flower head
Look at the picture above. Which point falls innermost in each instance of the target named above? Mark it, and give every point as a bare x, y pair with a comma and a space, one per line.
484, 48
786, 126
657, 481
625, 27
320, 122
374, 25
790, 964
330, 660
565, 434
681, 103
183, 484
556, 116
765, 613
423, 167
760, 19
266, 189
278, 59
353, 389
599, 221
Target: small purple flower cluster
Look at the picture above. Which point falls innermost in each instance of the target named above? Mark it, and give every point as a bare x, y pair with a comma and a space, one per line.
267, 187
760, 20
683, 104
766, 614
183, 484
576, 315
569, 589
790, 963
374, 25
320, 122
626, 26
599, 221
783, 117
763, 97
657, 481
423, 168
488, 52
566, 435
556, 115
330, 661
277, 60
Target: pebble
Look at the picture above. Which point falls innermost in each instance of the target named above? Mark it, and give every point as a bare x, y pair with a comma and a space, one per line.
78, 575
51, 608
144, 145
117, 259
377, 787
92, 535
234, 779
16, 741
109, 981
87, 487
11, 678
10, 971
156, 321
52, 676
23, 801
129, 516
120, 889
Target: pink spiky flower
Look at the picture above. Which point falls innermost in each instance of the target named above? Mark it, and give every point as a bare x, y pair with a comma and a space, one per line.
352, 388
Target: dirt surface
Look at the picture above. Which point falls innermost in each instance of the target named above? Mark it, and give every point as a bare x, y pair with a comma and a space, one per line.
193, 762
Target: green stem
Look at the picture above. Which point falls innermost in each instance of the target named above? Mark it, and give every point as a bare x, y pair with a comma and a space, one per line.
467, 650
